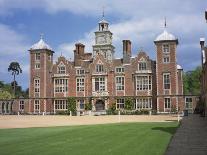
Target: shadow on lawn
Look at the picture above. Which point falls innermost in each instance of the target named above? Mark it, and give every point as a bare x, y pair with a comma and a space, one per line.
170, 130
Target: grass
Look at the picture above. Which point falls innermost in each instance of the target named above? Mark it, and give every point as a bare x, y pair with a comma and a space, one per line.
124, 138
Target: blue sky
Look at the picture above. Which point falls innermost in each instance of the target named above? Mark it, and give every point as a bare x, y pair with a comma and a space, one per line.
65, 22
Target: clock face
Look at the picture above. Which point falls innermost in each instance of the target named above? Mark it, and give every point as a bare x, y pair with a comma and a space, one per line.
101, 40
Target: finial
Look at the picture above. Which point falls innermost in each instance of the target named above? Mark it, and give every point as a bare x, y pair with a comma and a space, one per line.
41, 35
103, 12
165, 22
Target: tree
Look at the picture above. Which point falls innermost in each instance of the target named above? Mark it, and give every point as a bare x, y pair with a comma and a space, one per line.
71, 105
5, 95
191, 81
129, 104
15, 68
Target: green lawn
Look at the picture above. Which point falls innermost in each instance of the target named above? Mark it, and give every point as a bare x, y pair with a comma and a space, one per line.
124, 138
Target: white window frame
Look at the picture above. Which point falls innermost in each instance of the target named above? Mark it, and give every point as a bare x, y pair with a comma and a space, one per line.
37, 105
37, 87
80, 72
61, 105
37, 57
143, 82
120, 83
142, 65
21, 105
166, 82
119, 69
120, 102
37, 65
99, 68
166, 59
167, 103
61, 68
144, 103
100, 84
80, 84
166, 48
60, 85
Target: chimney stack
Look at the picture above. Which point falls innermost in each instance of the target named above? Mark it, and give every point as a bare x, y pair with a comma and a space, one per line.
78, 53
127, 51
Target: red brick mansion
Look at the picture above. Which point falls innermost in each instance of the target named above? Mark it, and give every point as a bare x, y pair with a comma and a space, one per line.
101, 79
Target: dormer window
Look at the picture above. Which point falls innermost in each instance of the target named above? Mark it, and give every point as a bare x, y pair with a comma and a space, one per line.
142, 66
61, 68
165, 48
99, 68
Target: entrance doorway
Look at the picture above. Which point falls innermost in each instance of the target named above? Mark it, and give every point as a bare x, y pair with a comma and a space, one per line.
100, 105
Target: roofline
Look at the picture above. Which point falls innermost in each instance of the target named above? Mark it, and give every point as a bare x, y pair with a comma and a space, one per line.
34, 50
158, 41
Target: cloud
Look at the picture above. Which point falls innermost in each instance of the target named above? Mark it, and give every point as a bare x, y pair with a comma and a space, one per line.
13, 47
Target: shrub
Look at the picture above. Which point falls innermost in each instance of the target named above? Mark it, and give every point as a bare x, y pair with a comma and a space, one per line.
128, 104
72, 105
88, 106
112, 110
144, 111
61, 112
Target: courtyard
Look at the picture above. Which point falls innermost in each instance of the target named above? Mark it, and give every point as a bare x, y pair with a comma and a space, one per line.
26, 121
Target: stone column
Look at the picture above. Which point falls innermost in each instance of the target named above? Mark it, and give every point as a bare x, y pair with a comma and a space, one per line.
93, 105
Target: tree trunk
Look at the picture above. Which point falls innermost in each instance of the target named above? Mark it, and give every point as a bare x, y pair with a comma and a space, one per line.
14, 87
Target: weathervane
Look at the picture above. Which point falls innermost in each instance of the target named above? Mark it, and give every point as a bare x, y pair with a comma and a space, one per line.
103, 12
41, 35
165, 23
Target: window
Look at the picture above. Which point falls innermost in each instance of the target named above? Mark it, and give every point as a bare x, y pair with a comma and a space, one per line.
165, 48
144, 103
100, 84
81, 104
21, 105
37, 105
61, 105
120, 83
120, 103
99, 68
61, 85
119, 69
37, 87
37, 65
188, 103
80, 84
37, 56
61, 68
167, 103
166, 59
142, 66
143, 83
166, 80
80, 71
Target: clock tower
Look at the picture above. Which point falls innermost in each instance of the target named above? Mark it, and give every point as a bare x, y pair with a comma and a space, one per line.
103, 41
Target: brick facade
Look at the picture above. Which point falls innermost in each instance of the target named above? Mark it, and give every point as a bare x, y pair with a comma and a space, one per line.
101, 79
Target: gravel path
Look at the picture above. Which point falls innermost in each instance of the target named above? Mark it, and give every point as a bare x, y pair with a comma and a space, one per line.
14, 121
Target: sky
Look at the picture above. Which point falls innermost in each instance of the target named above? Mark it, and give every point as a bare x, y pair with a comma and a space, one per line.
66, 22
